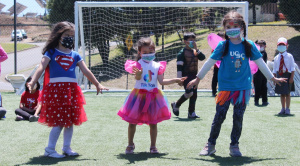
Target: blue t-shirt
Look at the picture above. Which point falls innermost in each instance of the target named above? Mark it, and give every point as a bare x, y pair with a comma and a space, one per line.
63, 64
234, 72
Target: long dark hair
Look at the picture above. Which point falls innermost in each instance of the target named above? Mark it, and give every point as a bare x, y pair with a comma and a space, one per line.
144, 41
234, 15
57, 30
28, 80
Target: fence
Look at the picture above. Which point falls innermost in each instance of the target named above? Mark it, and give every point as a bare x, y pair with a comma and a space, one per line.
270, 25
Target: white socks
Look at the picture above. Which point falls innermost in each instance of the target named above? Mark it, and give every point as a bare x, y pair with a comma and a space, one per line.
54, 135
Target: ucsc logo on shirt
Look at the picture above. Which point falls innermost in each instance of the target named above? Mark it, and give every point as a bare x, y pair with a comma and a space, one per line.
237, 54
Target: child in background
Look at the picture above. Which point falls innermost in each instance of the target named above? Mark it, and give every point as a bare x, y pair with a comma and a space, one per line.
187, 66
234, 79
28, 109
3, 57
284, 67
146, 103
259, 80
62, 99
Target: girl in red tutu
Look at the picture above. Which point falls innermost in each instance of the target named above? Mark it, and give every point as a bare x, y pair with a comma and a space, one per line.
146, 104
61, 98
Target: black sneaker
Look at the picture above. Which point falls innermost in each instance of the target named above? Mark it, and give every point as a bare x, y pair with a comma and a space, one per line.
265, 103
175, 109
193, 115
256, 104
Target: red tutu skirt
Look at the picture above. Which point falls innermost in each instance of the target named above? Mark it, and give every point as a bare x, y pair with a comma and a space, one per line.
62, 105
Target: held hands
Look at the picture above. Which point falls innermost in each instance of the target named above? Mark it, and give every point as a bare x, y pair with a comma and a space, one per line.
180, 81
193, 84
100, 88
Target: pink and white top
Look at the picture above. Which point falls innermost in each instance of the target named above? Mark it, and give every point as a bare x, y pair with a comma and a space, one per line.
150, 72
3, 56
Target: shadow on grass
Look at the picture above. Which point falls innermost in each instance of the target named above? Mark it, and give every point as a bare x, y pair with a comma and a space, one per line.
142, 156
234, 160
43, 160
186, 119
284, 115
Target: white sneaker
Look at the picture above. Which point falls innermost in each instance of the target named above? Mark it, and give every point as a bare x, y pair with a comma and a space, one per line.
52, 153
69, 152
193, 115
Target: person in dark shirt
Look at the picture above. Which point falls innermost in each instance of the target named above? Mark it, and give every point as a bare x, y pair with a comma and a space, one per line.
187, 66
259, 80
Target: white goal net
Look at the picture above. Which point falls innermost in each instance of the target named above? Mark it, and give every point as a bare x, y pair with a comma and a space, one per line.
106, 34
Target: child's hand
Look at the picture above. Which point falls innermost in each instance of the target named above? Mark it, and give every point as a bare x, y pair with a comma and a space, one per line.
291, 81
193, 84
278, 80
180, 80
137, 72
100, 88
30, 86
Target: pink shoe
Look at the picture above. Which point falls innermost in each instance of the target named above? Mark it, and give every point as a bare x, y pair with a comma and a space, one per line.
153, 150
130, 149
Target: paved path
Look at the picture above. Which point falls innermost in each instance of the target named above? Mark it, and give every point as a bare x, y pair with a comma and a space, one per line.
26, 60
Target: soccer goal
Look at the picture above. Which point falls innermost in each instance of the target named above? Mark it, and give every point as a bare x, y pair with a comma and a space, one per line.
106, 34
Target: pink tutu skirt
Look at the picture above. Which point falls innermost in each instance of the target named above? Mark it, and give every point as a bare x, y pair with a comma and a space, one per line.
62, 105
145, 107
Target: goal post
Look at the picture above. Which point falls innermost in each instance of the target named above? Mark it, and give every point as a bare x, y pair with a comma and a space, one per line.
106, 32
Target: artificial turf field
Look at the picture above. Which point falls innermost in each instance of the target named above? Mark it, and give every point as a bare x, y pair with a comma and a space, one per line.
267, 139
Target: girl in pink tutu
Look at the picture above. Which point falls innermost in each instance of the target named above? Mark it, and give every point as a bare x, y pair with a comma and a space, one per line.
61, 98
146, 103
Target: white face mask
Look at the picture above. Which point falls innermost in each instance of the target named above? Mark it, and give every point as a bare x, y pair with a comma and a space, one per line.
148, 57
262, 49
281, 48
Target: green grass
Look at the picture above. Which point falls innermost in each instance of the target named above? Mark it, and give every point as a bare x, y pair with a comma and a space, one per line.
9, 47
266, 139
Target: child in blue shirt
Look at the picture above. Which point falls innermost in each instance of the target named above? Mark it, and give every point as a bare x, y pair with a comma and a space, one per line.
234, 79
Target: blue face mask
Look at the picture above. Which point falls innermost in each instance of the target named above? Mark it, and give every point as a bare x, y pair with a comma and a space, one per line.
191, 45
148, 57
233, 33
281, 48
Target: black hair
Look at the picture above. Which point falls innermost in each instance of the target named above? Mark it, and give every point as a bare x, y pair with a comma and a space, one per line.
56, 33
261, 42
188, 35
234, 15
28, 80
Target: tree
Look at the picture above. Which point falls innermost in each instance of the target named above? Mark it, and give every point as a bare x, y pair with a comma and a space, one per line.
61, 10
290, 8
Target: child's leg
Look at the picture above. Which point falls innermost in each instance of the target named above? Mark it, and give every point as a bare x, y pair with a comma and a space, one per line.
220, 116
238, 114
283, 100
153, 134
22, 113
288, 100
53, 137
131, 132
68, 133
192, 102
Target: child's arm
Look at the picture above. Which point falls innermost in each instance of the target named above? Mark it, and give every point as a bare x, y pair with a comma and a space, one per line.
44, 63
163, 81
25, 108
3, 54
138, 73
292, 77
91, 77
205, 68
38, 110
267, 73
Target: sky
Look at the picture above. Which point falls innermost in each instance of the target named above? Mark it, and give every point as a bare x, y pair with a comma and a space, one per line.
32, 6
